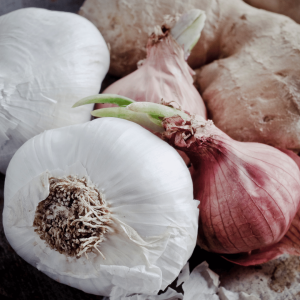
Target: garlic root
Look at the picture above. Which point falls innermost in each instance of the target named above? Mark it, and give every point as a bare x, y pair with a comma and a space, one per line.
74, 218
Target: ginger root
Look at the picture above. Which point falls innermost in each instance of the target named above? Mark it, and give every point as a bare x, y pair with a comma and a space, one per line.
252, 87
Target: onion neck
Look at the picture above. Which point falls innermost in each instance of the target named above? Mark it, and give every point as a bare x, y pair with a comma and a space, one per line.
183, 33
166, 54
198, 138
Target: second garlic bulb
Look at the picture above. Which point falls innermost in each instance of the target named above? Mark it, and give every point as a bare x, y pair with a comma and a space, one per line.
48, 61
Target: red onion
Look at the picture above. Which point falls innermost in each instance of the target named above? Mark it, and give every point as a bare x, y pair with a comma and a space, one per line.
290, 243
249, 192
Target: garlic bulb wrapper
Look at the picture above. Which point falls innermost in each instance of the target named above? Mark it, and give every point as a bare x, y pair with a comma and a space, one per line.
249, 192
48, 60
144, 187
164, 74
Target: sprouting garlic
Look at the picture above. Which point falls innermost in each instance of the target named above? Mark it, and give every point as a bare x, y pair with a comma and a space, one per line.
48, 60
101, 205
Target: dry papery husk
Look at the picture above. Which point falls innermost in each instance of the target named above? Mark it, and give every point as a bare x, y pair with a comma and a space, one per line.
249, 59
202, 283
148, 194
48, 61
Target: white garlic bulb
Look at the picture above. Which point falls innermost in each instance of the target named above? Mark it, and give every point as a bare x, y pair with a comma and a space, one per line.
131, 190
48, 61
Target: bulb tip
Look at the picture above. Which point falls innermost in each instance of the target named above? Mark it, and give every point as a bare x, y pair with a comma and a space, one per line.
188, 29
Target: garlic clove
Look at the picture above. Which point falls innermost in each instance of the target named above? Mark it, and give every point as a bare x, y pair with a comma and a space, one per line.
249, 192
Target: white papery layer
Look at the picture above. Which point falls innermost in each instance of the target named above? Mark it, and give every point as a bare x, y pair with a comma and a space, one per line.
201, 284
146, 185
48, 61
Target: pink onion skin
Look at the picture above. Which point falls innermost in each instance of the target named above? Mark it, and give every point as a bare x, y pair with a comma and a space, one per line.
292, 155
290, 243
163, 75
249, 193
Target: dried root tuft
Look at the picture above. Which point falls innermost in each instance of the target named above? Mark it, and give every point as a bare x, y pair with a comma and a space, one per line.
74, 218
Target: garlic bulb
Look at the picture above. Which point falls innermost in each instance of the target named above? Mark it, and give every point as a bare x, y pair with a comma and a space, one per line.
48, 60
101, 205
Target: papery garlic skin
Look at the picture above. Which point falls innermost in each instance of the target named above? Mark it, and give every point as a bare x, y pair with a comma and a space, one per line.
48, 60
201, 284
146, 186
